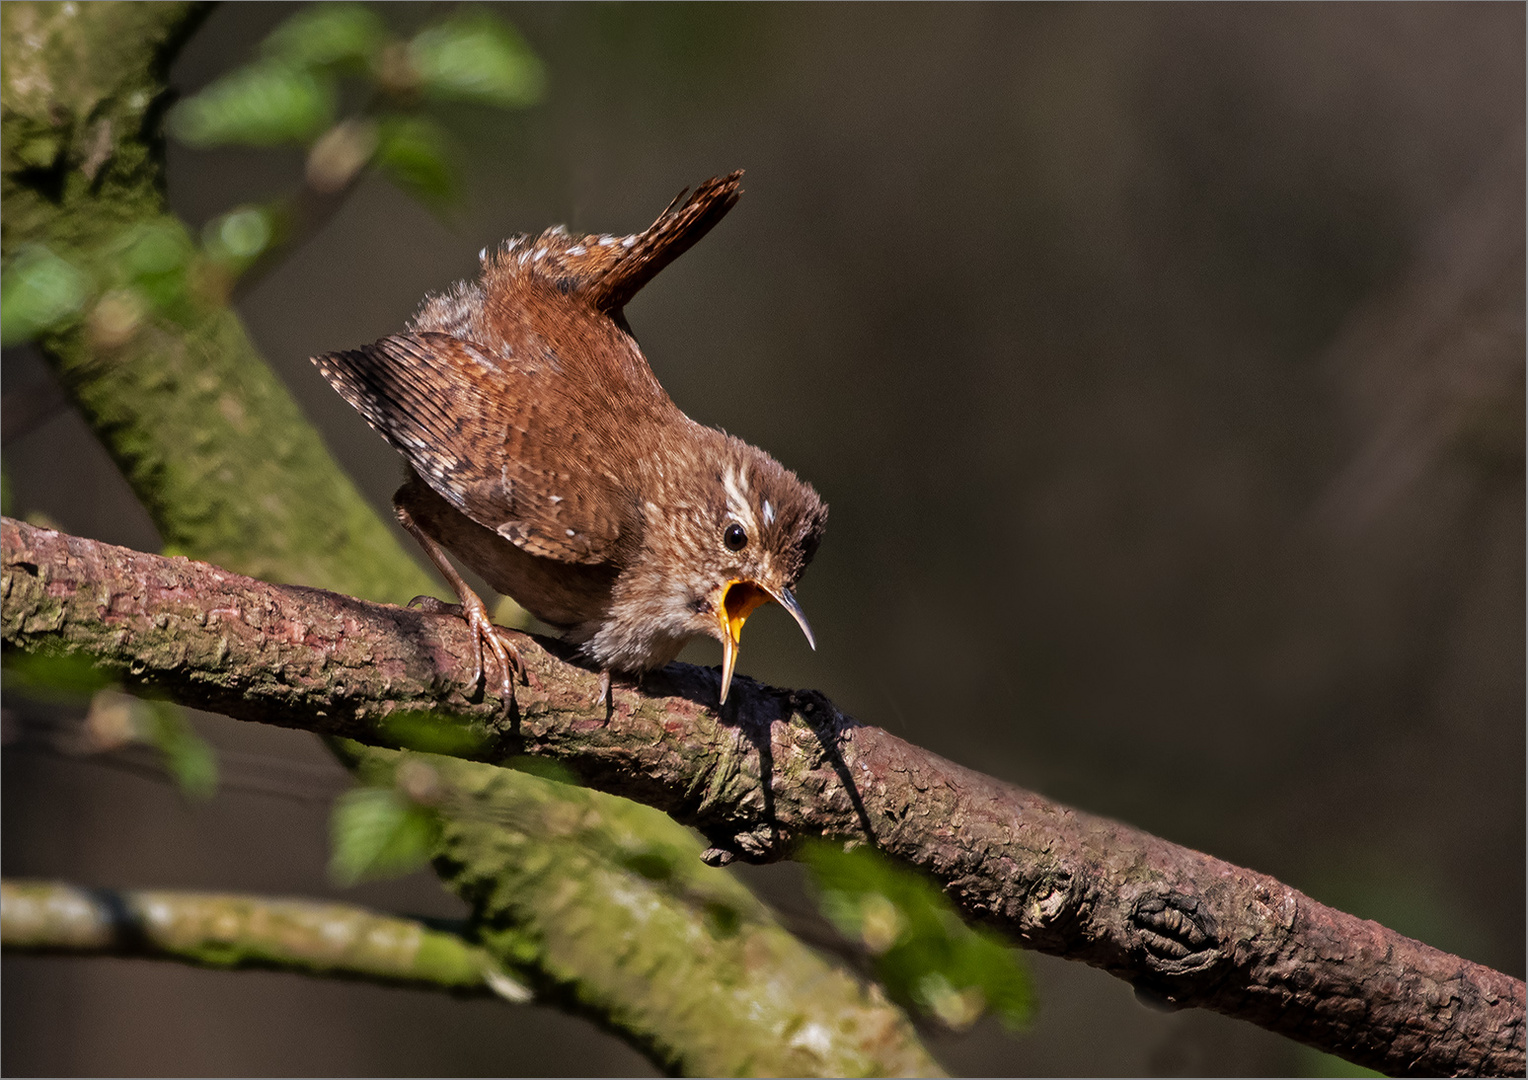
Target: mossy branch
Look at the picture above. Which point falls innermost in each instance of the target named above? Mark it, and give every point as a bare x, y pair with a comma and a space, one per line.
223, 930
776, 766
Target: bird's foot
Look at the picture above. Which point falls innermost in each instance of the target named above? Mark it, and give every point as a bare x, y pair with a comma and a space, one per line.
527, 676
484, 632
434, 605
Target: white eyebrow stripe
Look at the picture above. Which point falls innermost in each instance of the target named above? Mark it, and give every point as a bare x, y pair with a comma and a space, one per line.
769, 512
736, 486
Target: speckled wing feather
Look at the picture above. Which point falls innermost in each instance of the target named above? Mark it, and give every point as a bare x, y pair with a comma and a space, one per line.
493, 435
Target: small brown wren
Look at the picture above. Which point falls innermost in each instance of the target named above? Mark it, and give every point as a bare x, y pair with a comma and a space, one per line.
543, 453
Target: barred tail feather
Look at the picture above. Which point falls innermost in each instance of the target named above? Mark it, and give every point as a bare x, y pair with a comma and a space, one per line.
607, 271
681, 224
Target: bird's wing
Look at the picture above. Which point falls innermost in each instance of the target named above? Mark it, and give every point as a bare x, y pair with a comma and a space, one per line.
529, 415
499, 438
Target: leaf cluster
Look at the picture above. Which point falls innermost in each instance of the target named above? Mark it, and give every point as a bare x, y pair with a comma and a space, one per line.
923, 954
291, 93
380, 832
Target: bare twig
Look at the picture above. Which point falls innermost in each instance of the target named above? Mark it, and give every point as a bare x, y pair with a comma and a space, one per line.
1180, 925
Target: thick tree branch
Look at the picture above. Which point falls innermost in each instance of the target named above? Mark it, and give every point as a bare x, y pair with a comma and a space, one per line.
782, 764
230, 931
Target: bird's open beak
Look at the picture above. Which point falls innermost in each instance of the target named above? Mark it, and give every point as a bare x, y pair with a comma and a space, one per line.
740, 600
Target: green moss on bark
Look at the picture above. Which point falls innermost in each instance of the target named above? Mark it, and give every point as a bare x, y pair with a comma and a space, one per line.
630, 926
230, 931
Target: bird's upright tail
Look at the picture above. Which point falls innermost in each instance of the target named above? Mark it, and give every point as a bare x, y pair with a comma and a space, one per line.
609, 270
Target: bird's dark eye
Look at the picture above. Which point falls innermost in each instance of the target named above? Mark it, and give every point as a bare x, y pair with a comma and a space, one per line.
735, 537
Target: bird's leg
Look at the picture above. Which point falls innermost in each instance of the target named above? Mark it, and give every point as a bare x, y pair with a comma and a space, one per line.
484, 632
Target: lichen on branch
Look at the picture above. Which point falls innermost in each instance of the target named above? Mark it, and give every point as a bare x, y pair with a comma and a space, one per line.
224, 930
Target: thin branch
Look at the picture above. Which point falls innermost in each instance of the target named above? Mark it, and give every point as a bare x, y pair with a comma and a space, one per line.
222, 930
146, 764
1179, 924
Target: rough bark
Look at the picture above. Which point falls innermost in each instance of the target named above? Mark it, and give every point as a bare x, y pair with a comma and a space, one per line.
225, 930
781, 764
220, 455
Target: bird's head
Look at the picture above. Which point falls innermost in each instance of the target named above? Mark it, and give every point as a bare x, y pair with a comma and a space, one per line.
744, 530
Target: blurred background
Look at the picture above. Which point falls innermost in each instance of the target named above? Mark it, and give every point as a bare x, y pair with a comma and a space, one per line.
1163, 367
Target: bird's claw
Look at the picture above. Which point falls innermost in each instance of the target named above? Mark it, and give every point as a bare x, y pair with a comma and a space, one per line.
434, 605
484, 632
527, 676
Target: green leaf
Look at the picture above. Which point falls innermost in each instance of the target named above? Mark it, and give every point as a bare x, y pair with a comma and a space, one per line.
428, 733
57, 676
477, 57
187, 756
375, 832
412, 152
153, 250
262, 104
239, 236
324, 35
153, 261
924, 955
38, 291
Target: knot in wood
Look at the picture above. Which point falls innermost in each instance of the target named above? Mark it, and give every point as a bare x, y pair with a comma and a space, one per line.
1176, 933
762, 844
